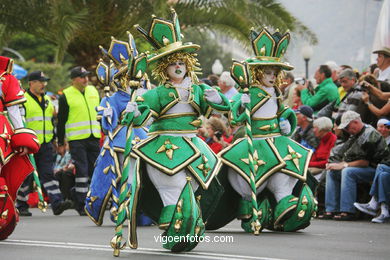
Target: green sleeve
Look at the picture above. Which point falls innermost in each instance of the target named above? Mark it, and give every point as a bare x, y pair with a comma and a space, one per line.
237, 115
312, 101
223, 107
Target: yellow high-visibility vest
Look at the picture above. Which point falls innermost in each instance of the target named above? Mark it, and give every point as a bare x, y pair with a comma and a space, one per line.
82, 120
39, 120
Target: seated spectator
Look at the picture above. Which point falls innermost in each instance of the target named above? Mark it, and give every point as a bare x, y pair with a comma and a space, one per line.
325, 93
322, 128
380, 194
383, 127
64, 172
352, 163
373, 90
304, 133
296, 99
217, 136
287, 87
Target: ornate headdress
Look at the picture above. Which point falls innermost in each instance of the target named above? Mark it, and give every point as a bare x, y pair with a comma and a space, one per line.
269, 49
166, 38
125, 64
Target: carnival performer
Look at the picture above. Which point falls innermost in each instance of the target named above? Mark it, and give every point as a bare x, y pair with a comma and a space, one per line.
175, 163
110, 113
15, 142
266, 168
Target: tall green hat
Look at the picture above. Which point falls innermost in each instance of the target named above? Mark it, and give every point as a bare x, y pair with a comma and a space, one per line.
269, 49
165, 37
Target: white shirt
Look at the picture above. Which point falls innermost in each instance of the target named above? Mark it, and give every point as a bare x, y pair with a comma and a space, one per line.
384, 75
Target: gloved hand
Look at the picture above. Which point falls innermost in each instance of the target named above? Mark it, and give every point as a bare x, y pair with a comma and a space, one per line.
245, 99
285, 126
107, 112
132, 107
212, 96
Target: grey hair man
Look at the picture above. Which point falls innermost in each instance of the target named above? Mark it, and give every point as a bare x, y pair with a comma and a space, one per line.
227, 83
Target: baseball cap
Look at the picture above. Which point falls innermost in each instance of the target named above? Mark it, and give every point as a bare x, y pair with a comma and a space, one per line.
306, 111
37, 75
78, 72
347, 117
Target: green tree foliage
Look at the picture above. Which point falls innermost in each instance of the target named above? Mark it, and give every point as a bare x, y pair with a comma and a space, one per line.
78, 27
58, 74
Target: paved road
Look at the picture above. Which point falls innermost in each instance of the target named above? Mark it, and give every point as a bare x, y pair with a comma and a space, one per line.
70, 236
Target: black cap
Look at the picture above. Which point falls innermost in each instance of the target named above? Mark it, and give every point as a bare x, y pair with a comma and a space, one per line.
37, 75
78, 72
306, 111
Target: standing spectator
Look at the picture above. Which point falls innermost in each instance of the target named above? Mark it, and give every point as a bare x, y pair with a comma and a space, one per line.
39, 112
325, 93
77, 120
322, 128
304, 133
383, 62
288, 87
355, 163
227, 83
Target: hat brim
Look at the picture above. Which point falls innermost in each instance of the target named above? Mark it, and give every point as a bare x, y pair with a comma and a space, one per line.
82, 75
190, 48
257, 62
387, 53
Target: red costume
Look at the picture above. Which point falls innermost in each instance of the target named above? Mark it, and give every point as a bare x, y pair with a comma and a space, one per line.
13, 167
321, 155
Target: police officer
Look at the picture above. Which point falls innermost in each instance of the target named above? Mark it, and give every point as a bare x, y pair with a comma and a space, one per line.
77, 121
39, 112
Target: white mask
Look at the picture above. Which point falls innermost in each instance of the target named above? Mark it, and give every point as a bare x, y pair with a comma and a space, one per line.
177, 70
269, 77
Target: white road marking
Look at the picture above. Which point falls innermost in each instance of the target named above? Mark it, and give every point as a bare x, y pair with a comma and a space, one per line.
148, 251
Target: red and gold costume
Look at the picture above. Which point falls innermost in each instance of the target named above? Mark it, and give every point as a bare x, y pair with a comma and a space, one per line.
13, 167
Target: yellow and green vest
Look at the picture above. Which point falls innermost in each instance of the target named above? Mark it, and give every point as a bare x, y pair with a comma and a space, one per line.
82, 122
39, 120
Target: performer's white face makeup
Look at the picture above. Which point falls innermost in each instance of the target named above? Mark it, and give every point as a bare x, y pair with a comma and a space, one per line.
177, 70
269, 77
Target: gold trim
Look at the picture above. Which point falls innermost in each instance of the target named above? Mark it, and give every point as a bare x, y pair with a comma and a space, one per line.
217, 167
283, 214
173, 131
99, 221
175, 115
170, 104
181, 48
157, 21
15, 102
263, 118
267, 135
266, 175
267, 58
24, 130
132, 230
164, 169
269, 36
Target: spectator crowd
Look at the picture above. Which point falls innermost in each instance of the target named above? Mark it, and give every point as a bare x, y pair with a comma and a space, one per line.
343, 117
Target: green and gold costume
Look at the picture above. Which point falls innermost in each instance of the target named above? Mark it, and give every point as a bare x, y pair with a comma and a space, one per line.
282, 198
173, 155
